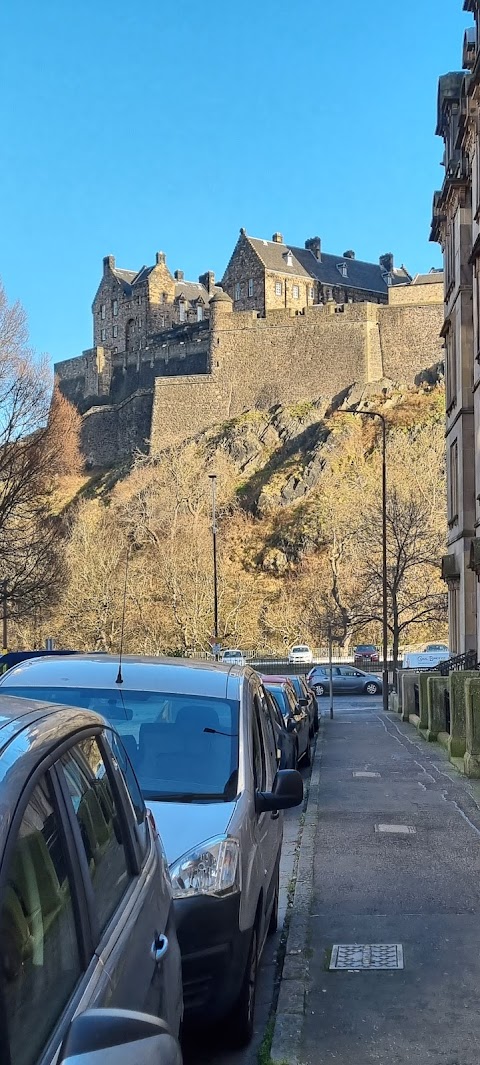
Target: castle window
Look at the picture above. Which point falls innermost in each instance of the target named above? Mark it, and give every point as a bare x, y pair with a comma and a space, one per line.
115, 331
139, 324
103, 334
342, 267
312, 294
288, 258
181, 308
162, 321
114, 351
199, 312
278, 288
250, 286
237, 290
295, 292
102, 312
139, 299
129, 335
388, 279
115, 307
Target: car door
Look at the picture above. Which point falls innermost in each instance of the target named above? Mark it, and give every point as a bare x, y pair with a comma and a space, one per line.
126, 900
348, 679
275, 820
47, 965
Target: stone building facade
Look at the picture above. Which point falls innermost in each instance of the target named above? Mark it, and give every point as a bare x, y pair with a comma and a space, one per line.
170, 378
267, 275
456, 226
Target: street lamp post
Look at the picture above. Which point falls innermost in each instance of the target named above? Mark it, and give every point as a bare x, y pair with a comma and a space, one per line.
376, 414
213, 478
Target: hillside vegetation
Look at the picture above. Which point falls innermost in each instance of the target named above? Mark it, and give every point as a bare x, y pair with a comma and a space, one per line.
299, 533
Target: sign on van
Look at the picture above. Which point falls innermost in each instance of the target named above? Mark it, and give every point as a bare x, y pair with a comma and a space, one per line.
424, 660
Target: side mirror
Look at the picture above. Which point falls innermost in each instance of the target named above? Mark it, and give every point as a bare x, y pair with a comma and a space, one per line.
119, 1037
287, 792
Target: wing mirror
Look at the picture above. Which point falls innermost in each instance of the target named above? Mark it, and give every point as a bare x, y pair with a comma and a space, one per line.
119, 1037
287, 792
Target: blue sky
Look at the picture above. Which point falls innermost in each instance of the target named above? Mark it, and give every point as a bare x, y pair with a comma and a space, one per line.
132, 128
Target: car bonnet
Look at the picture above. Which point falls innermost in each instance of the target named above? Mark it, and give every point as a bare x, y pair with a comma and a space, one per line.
185, 825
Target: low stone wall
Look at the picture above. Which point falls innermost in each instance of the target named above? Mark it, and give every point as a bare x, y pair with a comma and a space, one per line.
436, 709
471, 760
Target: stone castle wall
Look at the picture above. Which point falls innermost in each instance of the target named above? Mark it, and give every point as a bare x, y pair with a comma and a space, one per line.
239, 361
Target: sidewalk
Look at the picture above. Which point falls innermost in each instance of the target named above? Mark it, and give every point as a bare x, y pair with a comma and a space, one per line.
359, 885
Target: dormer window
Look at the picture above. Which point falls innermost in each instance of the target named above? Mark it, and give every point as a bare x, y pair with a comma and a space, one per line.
388, 279
288, 258
343, 269
182, 310
199, 312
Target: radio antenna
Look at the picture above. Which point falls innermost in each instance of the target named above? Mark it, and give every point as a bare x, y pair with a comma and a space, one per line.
119, 679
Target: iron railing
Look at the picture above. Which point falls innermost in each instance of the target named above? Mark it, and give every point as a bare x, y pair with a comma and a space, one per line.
457, 664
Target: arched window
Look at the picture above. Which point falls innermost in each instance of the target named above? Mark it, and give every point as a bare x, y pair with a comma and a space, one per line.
130, 334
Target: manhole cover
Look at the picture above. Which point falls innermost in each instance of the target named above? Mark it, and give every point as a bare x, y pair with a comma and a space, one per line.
367, 956
366, 776
396, 830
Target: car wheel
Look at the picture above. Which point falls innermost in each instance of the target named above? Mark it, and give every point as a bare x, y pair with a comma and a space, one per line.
371, 688
273, 922
240, 1022
319, 689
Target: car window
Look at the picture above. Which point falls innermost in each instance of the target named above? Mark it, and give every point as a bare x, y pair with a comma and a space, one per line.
346, 672
258, 750
277, 713
39, 957
94, 805
132, 786
179, 745
269, 740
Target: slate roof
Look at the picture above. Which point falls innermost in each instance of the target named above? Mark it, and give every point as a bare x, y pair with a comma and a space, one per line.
192, 290
434, 277
367, 277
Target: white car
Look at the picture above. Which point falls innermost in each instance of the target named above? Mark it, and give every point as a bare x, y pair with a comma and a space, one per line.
232, 656
300, 653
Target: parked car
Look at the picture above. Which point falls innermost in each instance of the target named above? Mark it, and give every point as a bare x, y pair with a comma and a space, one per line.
86, 911
345, 679
303, 691
296, 717
300, 654
366, 652
286, 740
202, 741
233, 657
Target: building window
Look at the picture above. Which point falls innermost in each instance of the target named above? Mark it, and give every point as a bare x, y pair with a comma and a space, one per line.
450, 369
295, 292
115, 307
237, 290
453, 484
342, 267
102, 312
139, 299
199, 312
388, 280
454, 602
139, 324
181, 308
250, 286
162, 321
115, 331
114, 351
278, 288
103, 334
312, 294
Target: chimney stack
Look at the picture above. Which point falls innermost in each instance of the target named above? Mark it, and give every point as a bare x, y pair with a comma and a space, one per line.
277, 238
349, 254
208, 281
386, 262
314, 245
108, 263
160, 258
179, 275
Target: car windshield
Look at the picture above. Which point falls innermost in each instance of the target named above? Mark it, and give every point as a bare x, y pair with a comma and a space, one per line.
232, 654
183, 747
299, 649
366, 647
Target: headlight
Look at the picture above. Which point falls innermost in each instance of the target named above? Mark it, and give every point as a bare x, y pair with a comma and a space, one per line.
211, 869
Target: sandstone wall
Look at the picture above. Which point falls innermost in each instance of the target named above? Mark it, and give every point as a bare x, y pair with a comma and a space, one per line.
410, 339
184, 406
113, 433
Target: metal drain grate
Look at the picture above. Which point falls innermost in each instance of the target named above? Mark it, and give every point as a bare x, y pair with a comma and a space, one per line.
361, 775
359, 956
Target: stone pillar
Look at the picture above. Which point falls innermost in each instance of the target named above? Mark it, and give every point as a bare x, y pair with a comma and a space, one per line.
409, 679
458, 681
400, 673
471, 760
437, 719
423, 679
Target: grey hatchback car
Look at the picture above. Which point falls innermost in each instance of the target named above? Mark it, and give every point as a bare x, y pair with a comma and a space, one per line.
203, 743
86, 913
345, 680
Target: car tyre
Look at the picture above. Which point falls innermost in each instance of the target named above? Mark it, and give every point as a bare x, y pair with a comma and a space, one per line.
371, 688
240, 1021
319, 689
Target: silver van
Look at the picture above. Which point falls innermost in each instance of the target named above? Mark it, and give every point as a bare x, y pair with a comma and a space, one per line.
202, 741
